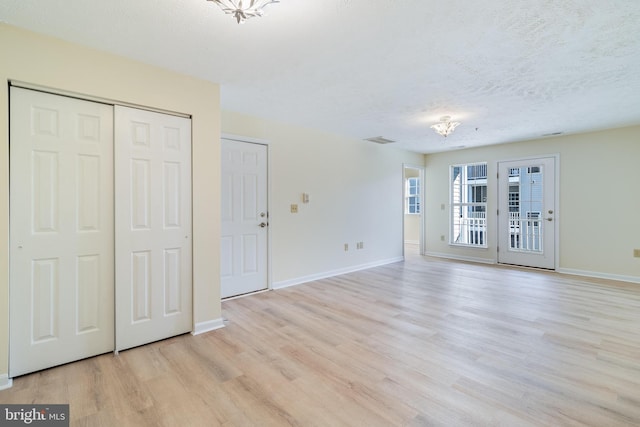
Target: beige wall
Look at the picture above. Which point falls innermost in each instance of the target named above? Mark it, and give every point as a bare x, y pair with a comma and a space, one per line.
412, 229
45, 61
355, 190
599, 202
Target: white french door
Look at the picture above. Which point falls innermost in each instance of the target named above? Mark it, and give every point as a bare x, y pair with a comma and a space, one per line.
61, 230
527, 212
153, 226
244, 218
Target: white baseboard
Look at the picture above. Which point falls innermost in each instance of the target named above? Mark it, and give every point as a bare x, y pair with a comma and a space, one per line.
332, 273
461, 258
598, 275
412, 242
209, 325
5, 382
571, 271
245, 295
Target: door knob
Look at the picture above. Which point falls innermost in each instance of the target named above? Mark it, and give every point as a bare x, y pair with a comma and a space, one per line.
549, 219
262, 224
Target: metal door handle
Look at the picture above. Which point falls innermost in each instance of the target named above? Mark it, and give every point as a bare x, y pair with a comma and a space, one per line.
262, 224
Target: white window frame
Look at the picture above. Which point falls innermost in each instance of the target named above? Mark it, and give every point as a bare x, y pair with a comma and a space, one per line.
409, 195
464, 229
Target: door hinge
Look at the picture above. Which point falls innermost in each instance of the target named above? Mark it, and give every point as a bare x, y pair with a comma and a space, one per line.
498, 175
497, 211
497, 248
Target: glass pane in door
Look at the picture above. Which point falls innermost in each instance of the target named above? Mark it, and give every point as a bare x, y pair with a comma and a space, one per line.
525, 208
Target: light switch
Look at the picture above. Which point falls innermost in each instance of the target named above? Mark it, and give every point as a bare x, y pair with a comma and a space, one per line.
294, 208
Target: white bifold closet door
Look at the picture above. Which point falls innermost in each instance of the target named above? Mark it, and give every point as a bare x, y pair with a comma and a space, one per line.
61, 230
153, 226
100, 229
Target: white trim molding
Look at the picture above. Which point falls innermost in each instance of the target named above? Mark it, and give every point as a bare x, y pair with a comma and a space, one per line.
332, 273
208, 326
246, 295
5, 382
570, 271
461, 258
598, 275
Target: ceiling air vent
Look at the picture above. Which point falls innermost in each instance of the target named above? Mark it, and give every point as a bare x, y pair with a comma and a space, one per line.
379, 140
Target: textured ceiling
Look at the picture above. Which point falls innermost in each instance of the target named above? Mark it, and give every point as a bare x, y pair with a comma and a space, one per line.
509, 71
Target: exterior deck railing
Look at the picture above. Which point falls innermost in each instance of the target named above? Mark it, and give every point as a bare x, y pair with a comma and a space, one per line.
525, 234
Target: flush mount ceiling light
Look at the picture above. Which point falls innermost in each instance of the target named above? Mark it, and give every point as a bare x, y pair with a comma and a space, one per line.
445, 127
243, 10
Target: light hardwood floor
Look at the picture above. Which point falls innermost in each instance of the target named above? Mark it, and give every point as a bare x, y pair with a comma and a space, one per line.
424, 342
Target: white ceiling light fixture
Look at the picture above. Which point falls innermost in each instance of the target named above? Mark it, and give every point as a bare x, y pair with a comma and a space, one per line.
445, 127
241, 12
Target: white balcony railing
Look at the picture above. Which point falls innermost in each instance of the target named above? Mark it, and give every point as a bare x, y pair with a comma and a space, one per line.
525, 234
471, 229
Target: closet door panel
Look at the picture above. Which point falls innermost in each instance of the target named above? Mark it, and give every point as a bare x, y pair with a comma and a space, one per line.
153, 226
61, 227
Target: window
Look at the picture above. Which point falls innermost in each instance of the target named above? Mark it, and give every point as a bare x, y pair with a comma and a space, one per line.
525, 209
412, 196
514, 198
469, 205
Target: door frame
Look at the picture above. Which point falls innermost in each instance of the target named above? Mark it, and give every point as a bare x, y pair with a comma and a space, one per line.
421, 174
557, 210
266, 143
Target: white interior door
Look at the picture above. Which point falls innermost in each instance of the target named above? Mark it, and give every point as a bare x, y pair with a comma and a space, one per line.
61, 230
527, 213
244, 218
153, 226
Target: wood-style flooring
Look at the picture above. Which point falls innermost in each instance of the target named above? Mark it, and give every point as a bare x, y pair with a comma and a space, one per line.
419, 343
